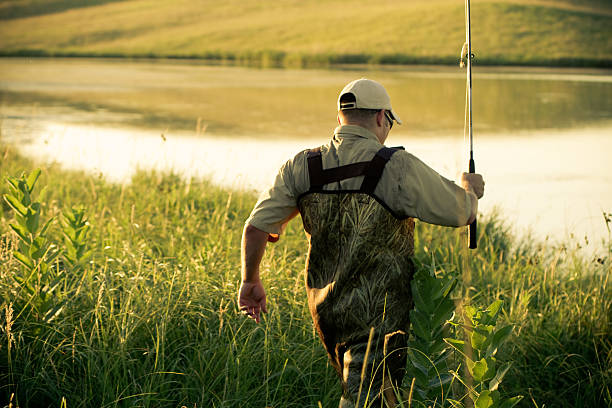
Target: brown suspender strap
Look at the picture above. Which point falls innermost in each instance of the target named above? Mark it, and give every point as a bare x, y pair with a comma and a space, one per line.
375, 169
320, 177
315, 169
372, 170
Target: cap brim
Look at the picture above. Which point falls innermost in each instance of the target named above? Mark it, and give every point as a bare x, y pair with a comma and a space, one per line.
395, 117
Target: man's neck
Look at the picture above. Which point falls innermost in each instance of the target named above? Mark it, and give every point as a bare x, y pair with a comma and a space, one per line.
367, 126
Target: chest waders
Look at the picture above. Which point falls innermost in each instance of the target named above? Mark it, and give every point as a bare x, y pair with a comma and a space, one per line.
358, 277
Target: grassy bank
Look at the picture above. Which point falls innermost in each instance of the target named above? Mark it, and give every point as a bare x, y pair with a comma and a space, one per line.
316, 33
150, 319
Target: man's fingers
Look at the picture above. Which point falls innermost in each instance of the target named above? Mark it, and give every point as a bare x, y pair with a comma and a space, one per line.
252, 312
252, 300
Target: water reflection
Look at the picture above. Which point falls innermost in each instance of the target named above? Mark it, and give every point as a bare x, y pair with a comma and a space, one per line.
554, 184
297, 103
542, 136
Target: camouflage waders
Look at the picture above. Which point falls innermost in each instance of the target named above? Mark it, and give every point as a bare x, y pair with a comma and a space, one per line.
358, 276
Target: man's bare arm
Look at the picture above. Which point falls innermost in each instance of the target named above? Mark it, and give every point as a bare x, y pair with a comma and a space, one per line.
252, 296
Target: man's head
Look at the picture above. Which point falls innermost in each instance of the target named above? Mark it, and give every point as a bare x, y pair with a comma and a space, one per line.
366, 103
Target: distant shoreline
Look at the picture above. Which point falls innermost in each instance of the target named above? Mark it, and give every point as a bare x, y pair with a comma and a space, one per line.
273, 59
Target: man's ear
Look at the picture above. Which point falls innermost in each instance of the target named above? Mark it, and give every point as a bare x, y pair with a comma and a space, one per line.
338, 117
380, 118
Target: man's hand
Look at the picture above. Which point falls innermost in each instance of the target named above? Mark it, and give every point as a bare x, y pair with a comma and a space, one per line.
474, 183
252, 299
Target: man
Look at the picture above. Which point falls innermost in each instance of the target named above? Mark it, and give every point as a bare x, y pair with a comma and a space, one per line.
357, 199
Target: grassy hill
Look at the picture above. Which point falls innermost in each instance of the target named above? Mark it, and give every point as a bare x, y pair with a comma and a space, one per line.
316, 32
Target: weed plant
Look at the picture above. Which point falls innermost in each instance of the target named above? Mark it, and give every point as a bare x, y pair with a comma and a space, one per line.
150, 318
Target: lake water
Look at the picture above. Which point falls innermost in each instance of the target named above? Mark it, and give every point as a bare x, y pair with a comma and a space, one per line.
542, 137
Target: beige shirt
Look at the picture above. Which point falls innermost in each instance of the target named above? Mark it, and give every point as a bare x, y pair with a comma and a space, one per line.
407, 186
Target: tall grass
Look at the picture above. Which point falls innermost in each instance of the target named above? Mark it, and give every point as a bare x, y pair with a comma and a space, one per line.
152, 319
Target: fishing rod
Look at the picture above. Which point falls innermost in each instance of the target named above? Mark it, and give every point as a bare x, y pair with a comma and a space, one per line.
472, 168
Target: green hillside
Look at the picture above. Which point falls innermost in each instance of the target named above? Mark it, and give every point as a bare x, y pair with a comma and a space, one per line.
316, 32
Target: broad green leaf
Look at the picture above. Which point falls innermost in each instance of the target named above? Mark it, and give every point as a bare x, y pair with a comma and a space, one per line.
23, 187
440, 368
70, 216
443, 312
438, 347
25, 285
495, 395
16, 204
484, 400
82, 253
33, 219
438, 332
443, 357
420, 325
53, 254
420, 377
469, 363
79, 214
23, 247
420, 360
458, 345
70, 234
483, 369
25, 260
494, 383
478, 340
439, 381
22, 233
70, 248
86, 255
45, 227
471, 313
32, 178
20, 219
420, 301
82, 227
81, 234
498, 339
13, 183
490, 315
38, 247
42, 195
445, 288
510, 402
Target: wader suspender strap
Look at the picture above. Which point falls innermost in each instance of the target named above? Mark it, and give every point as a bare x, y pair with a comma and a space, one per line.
372, 170
375, 169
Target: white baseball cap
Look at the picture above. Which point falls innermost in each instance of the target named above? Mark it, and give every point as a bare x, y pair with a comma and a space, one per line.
368, 94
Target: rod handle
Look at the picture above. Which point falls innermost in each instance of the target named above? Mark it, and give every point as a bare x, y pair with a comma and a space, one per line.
473, 233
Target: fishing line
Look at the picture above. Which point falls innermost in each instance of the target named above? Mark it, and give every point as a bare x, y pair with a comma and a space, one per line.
472, 168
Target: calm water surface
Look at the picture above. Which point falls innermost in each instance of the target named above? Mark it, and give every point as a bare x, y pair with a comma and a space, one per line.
543, 138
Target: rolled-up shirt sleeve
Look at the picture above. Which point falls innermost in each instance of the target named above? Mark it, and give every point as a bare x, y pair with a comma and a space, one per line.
417, 190
275, 205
